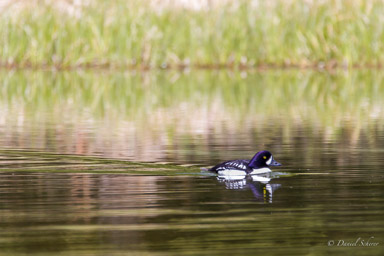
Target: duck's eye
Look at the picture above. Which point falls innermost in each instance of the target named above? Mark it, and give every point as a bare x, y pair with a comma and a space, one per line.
264, 157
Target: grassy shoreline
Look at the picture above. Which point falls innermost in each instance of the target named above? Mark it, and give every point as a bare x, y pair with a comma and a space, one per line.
135, 35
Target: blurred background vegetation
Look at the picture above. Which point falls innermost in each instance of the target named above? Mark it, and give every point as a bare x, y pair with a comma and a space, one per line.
202, 34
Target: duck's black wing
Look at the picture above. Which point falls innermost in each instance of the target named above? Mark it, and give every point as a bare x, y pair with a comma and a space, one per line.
241, 164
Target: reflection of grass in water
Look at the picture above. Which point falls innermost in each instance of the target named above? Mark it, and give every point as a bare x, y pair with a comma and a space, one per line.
323, 99
155, 117
125, 33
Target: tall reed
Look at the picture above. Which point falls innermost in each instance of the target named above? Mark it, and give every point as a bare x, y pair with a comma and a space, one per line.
242, 34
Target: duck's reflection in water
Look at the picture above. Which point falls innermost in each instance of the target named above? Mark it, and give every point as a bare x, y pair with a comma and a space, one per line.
259, 185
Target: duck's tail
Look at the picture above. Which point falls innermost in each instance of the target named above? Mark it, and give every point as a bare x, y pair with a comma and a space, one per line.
204, 169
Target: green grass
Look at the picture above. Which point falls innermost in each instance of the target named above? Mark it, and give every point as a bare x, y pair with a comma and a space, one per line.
131, 34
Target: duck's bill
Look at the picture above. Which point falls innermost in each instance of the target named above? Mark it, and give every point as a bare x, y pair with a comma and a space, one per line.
274, 163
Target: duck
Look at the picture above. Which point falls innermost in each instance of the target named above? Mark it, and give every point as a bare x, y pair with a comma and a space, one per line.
259, 164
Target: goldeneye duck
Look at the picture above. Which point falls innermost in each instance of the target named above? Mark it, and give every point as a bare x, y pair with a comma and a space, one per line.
257, 165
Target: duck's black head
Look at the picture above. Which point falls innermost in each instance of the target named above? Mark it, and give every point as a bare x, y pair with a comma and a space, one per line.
263, 159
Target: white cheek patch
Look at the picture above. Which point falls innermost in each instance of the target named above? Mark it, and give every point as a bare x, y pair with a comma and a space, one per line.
269, 161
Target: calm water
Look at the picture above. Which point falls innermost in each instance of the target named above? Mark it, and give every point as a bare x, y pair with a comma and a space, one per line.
109, 164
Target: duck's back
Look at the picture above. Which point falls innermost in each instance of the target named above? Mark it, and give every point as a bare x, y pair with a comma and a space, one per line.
240, 165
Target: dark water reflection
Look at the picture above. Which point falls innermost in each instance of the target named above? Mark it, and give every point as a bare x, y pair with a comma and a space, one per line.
92, 213
327, 130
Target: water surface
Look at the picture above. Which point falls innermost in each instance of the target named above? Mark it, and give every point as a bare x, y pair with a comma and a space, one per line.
109, 164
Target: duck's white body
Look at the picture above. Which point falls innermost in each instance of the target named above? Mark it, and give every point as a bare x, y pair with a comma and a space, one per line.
234, 172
